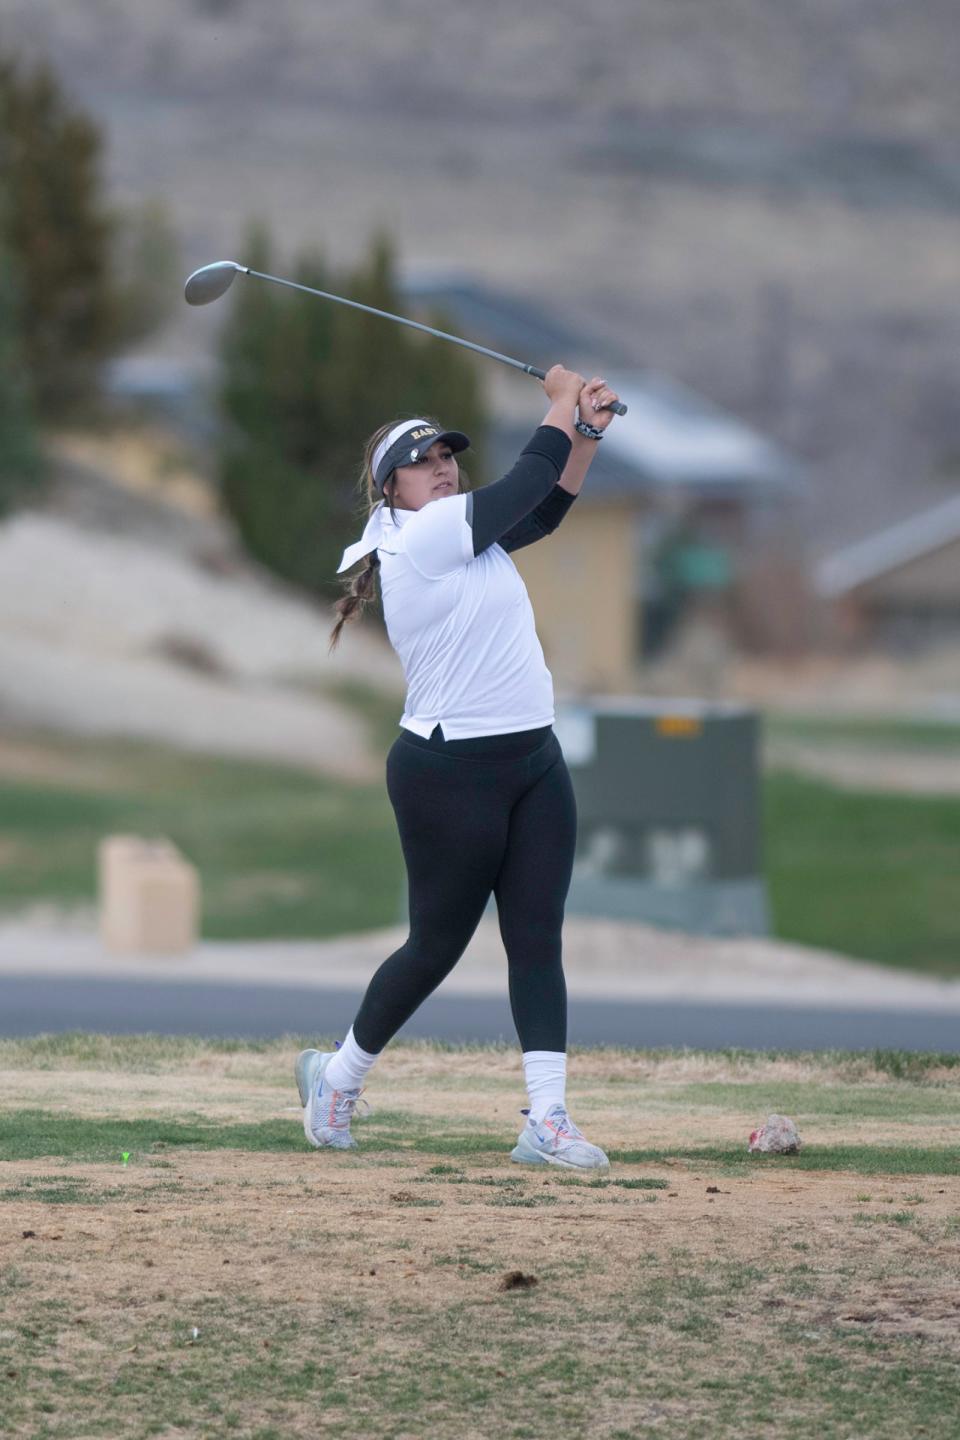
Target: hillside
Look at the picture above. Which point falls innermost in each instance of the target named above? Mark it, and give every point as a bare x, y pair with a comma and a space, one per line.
759, 199
129, 610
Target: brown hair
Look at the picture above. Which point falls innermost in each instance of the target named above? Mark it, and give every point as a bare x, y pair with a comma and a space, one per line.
361, 588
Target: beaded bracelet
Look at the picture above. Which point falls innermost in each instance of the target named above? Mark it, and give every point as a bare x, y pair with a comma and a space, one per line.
591, 431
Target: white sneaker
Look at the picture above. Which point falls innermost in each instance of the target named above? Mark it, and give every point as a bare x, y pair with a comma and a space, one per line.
326, 1112
557, 1141
304, 1070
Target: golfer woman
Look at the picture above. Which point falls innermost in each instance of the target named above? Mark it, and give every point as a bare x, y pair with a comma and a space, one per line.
476, 778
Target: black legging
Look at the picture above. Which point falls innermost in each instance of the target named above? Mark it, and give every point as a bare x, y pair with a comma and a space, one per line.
495, 813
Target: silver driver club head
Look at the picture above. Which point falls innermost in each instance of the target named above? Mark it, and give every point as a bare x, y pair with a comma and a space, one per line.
211, 281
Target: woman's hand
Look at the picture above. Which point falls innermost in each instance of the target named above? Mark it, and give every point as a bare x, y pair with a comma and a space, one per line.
594, 395
563, 386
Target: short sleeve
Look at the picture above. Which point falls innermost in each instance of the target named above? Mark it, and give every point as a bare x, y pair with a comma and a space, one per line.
438, 539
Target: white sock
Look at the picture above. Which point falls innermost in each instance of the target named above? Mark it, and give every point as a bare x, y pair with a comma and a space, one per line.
545, 1073
350, 1064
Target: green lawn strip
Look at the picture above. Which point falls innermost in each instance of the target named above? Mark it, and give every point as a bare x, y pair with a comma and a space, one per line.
287, 854
856, 1159
32, 1134
283, 853
868, 875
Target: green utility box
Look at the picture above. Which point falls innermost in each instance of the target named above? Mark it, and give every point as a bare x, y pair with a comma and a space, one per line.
668, 806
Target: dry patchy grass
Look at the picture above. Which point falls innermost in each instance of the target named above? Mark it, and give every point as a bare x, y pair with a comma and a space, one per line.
370, 1288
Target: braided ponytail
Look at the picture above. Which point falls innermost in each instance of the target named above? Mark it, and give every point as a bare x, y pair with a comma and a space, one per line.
362, 591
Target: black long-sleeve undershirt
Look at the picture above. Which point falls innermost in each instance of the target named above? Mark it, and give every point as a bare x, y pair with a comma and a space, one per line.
540, 522
527, 503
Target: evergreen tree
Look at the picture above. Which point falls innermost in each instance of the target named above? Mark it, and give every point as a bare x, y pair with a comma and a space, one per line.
20, 462
304, 382
59, 234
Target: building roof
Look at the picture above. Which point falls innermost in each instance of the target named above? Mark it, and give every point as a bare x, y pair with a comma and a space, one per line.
494, 318
676, 438
888, 549
670, 439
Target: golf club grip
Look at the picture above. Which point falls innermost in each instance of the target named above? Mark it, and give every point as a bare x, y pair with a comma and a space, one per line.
618, 409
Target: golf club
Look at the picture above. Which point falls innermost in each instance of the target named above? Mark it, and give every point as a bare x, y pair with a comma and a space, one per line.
211, 281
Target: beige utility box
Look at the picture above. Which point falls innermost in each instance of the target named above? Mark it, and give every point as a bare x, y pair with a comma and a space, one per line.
149, 896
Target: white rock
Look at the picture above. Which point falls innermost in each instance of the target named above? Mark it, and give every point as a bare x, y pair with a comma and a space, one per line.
777, 1136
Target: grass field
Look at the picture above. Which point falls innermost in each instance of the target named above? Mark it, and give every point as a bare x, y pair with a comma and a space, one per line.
285, 854
174, 1259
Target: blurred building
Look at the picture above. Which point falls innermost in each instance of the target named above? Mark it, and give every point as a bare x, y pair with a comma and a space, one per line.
900, 587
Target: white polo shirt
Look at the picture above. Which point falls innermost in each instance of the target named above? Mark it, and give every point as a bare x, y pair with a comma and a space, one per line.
461, 624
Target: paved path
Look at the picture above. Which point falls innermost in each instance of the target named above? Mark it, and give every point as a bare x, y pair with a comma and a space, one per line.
627, 984
29, 1006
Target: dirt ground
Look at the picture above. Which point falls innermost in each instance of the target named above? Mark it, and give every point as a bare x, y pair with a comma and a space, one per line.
156, 1272
242, 1209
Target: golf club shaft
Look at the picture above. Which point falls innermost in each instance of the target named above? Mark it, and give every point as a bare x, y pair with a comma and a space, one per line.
618, 409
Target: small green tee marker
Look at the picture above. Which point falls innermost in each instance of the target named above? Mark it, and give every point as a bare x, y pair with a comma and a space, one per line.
126, 1156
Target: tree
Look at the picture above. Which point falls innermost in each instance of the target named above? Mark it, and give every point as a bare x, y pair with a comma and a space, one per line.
59, 233
20, 461
304, 382
92, 279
